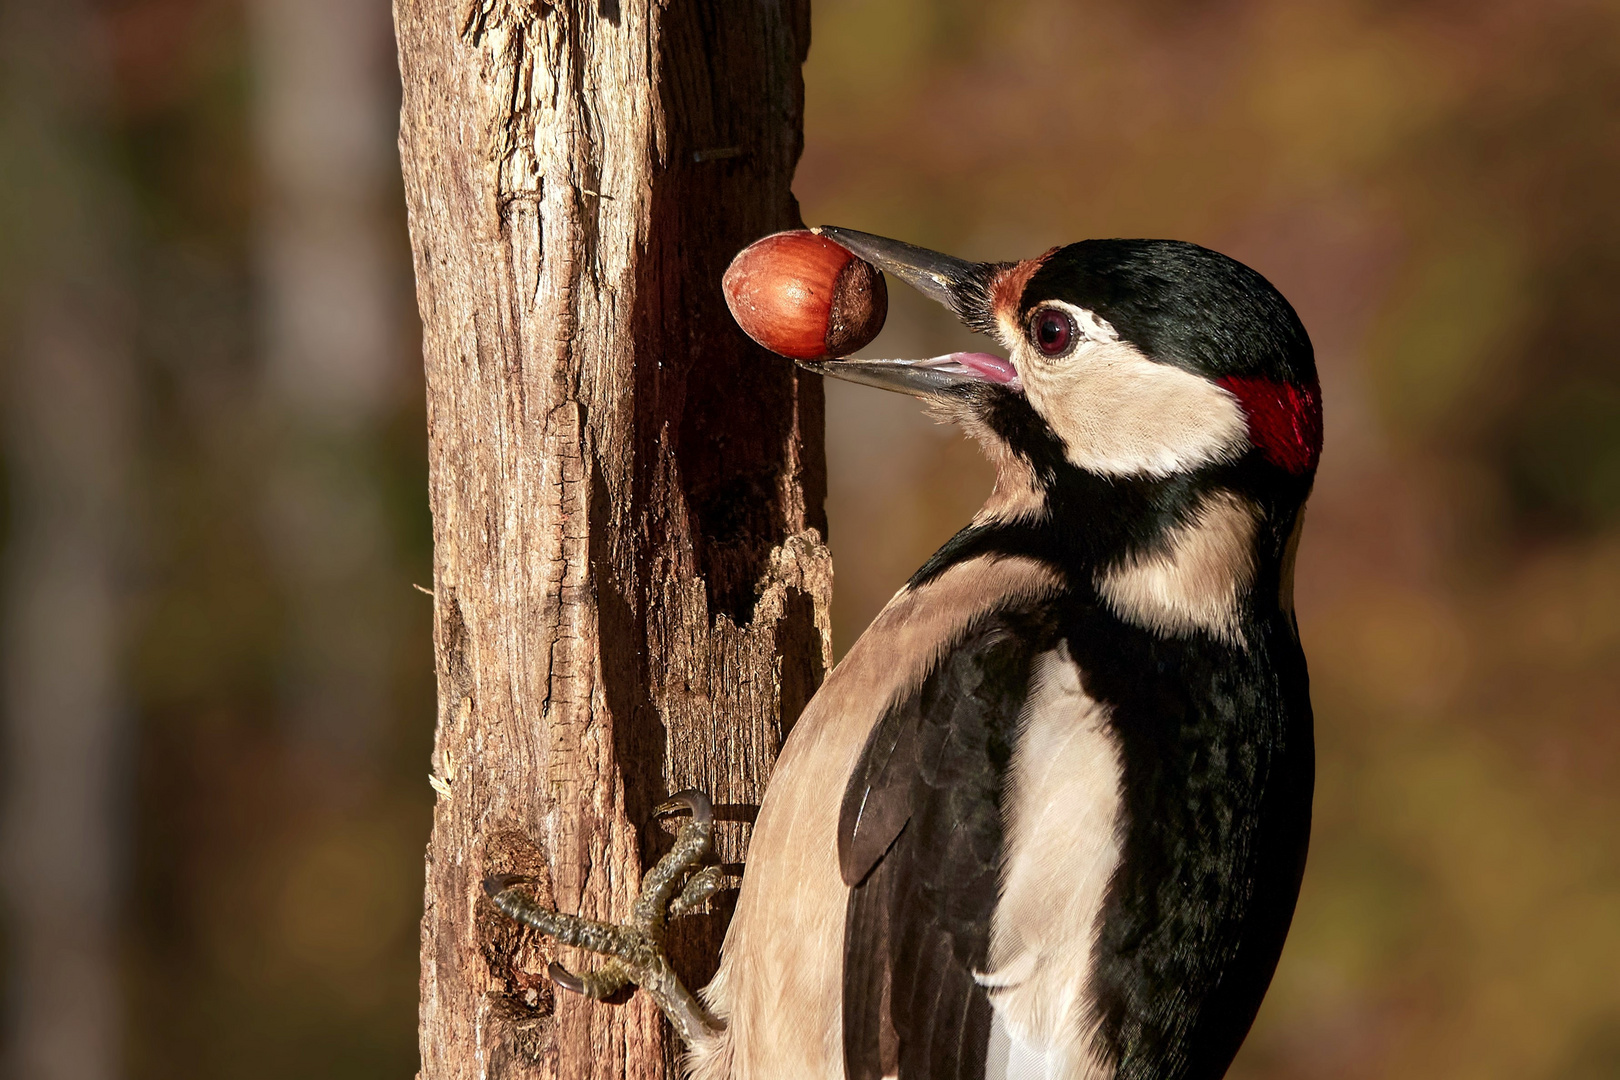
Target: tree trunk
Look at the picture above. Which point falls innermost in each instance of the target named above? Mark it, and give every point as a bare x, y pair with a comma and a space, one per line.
629, 576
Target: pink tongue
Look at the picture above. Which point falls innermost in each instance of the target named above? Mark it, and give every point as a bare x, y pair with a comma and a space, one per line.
994, 368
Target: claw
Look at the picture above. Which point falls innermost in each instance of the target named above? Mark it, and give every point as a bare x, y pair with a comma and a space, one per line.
497, 883
636, 949
598, 985
702, 809
565, 978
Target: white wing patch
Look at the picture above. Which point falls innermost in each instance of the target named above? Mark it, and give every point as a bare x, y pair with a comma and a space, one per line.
1063, 845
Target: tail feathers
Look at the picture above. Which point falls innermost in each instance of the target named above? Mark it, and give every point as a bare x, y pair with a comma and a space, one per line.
710, 1058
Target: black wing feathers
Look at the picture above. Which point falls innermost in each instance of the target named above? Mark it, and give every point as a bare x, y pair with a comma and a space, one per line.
868, 1035
877, 803
918, 922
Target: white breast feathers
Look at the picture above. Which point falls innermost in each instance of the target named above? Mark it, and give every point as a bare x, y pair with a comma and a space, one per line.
1063, 845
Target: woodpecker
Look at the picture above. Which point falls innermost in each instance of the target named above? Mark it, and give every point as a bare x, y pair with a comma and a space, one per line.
1048, 818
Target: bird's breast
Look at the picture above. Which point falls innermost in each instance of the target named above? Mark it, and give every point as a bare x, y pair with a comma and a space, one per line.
1062, 807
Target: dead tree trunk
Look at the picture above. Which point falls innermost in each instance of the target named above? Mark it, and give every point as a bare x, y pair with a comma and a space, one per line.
630, 582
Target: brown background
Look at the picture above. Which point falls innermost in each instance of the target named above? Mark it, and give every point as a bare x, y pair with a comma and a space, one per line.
1431, 182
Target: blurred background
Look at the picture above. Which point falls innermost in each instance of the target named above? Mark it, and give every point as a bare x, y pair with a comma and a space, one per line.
217, 678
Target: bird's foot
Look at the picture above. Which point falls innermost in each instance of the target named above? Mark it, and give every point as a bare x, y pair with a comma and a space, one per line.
670, 889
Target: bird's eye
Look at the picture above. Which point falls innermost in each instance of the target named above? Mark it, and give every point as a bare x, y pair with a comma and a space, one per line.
1053, 331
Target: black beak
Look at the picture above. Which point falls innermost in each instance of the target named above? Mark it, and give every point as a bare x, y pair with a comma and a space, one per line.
962, 287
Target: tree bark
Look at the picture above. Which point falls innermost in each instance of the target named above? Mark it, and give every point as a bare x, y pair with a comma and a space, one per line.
630, 581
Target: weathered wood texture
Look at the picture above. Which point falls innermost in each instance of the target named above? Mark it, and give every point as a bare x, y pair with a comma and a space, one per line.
630, 582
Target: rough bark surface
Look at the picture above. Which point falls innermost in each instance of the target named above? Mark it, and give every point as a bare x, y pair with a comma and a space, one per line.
630, 582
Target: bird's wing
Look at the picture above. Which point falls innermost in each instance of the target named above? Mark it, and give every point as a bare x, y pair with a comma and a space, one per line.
920, 845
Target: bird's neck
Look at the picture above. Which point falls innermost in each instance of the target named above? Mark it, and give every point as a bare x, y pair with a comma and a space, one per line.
1177, 555
1195, 575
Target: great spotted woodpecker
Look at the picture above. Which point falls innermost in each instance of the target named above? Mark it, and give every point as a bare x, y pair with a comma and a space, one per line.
1048, 818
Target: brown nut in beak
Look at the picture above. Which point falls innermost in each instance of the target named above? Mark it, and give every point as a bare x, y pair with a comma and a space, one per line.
805, 297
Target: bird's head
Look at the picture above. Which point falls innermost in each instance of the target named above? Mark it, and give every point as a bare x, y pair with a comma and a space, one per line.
1147, 384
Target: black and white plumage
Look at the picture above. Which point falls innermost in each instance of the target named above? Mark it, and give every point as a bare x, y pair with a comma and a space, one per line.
1048, 818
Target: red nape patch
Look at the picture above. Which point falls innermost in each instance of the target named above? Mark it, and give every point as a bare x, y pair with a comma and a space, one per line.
1285, 421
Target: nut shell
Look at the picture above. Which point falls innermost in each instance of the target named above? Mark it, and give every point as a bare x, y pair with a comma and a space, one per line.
801, 295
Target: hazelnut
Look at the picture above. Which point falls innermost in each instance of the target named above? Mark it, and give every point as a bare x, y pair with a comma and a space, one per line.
801, 295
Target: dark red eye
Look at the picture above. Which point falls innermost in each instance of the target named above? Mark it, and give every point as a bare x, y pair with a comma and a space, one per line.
1054, 331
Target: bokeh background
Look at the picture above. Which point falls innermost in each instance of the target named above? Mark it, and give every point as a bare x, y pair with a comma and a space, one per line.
217, 676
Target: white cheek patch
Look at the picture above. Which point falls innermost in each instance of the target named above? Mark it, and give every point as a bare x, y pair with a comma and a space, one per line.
1121, 414
1196, 580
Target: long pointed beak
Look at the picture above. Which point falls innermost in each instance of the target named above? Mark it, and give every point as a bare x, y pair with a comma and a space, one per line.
960, 286
922, 378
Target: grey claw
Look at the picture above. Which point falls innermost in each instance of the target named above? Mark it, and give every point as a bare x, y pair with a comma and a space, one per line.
566, 979
635, 950
691, 799
497, 883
